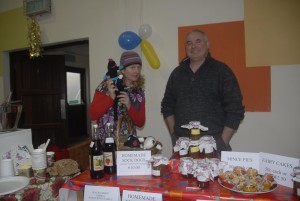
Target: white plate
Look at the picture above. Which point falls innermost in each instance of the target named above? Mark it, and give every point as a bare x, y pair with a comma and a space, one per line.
12, 184
243, 192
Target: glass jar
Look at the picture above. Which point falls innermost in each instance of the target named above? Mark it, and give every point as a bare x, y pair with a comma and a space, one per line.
207, 145
296, 180
202, 182
176, 150
194, 151
159, 166
186, 167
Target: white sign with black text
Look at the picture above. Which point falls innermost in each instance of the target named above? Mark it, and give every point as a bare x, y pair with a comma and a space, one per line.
140, 196
244, 159
133, 163
280, 166
101, 193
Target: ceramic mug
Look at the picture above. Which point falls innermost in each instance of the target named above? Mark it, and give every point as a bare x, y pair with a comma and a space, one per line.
6, 168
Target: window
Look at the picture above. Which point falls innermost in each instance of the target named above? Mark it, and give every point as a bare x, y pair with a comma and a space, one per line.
74, 88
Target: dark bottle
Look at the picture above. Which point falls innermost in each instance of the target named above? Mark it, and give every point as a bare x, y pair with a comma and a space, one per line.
109, 152
96, 155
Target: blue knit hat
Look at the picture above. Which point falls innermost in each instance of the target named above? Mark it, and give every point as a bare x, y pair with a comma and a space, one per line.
130, 57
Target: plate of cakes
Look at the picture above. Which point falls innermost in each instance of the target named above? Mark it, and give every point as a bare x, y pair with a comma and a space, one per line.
247, 181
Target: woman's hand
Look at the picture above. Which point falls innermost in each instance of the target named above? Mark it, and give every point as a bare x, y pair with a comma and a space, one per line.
124, 99
111, 89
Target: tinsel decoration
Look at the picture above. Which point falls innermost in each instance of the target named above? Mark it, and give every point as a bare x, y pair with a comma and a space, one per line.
34, 38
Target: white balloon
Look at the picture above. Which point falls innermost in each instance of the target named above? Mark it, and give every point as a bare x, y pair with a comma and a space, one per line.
145, 31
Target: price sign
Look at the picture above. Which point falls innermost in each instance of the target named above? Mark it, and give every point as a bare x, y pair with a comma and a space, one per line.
140, 196
101, 193
133, 163
280, 166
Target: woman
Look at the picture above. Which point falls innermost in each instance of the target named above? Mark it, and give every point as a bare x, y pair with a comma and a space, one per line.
130, 103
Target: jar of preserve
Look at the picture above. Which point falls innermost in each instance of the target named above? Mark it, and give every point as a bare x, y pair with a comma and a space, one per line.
194, 151
183, 142
186, 167
202, 168
203, 179
203, 182
176, 150
207, 145
159, 166
296, 180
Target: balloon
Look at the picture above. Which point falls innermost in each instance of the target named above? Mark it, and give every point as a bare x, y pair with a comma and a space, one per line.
150, 54
145, 31
129, 40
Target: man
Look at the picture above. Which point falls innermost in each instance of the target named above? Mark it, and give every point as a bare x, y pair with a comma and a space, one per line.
202, 89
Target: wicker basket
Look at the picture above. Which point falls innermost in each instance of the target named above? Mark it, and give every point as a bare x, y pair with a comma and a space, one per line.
122, 138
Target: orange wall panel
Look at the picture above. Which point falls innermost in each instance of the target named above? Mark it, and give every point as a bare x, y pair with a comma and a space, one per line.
227, 44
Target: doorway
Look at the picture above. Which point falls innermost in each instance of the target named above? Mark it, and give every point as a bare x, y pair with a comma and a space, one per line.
42, 85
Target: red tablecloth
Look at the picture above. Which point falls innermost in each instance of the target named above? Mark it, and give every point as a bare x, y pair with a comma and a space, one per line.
175, 187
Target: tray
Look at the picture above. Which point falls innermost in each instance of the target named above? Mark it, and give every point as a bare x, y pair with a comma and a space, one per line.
243, 192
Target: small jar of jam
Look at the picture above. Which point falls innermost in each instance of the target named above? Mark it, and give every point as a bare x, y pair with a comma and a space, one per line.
176, 150
203, 182
186, 167
159, 166
296, 180
207, 145
208, 152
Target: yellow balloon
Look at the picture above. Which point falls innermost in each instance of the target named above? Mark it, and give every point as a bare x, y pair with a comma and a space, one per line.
150, 54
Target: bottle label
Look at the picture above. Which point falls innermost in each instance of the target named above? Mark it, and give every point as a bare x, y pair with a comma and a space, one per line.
98, 163
109, 140
91, 144
108, 159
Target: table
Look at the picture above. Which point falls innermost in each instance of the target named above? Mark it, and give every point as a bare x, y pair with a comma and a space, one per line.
34, 192
174, 187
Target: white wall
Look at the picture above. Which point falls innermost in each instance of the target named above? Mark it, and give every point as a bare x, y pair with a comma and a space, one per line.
102, 21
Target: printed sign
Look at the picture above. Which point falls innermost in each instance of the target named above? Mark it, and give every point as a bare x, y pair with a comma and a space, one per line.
140, 196
101, 193
133, 163
280, 166
244, 159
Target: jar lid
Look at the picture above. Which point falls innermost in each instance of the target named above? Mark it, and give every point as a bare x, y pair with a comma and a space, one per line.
297, 178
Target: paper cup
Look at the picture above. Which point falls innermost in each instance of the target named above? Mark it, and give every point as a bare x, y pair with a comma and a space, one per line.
50, 158
40, 176
39, 160
6, 168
